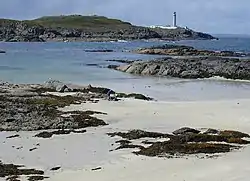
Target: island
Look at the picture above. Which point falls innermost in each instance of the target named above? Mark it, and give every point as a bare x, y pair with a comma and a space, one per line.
87, 28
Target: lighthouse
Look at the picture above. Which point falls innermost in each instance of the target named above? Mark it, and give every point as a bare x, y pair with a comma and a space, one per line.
174, 20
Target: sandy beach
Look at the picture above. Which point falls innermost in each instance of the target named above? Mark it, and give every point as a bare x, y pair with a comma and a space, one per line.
108, 91
88, 156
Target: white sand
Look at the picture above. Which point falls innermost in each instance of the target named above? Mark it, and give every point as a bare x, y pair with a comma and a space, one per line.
78, 154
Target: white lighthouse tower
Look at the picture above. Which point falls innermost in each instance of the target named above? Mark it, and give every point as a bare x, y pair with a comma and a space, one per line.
174, 20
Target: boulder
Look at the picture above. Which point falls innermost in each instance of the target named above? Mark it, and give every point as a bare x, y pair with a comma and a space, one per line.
52, 84
58, 86
62, 88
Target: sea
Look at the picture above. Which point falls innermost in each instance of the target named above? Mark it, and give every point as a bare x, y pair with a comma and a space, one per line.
70, 63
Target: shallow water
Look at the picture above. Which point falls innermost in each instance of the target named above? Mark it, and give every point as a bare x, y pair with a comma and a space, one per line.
37, 62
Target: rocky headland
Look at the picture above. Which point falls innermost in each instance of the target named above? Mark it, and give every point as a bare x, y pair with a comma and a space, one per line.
86, 28
188, 62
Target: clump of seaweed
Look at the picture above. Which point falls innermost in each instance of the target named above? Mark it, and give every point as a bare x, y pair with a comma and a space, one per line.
184, 141
13, 171
46, 134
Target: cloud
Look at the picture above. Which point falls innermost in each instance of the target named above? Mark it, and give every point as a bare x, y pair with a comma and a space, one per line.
215, 16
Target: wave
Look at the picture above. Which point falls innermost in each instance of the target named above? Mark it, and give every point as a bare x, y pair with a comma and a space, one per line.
225, 79
122, 41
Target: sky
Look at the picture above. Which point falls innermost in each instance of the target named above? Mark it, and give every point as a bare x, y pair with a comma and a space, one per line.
212, 16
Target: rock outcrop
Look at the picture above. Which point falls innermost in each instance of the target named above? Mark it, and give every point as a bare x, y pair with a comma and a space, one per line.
192, 67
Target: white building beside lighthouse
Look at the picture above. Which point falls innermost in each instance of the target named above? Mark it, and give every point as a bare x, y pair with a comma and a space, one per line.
174, 26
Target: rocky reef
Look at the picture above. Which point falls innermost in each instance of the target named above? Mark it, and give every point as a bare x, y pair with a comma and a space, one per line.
190, 67
27, 107
85, 28
182, 50
182, 142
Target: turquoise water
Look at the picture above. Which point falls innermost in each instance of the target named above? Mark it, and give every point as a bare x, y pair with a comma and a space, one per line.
37, 62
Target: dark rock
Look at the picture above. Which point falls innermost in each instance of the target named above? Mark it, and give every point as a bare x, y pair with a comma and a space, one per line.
13, 178
92, 65
80, 131
212, 131
185, 130
122, 61
100, 50
32, 149
123, 142
36, 177
55, 168
112, 66
97, 168
13, 136
2, 51
46, 134
11, 170
127, 146
137, 134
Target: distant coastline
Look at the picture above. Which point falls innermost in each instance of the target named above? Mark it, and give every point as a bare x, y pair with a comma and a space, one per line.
88, 28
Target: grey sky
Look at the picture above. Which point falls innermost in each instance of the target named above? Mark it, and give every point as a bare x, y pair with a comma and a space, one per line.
213, 16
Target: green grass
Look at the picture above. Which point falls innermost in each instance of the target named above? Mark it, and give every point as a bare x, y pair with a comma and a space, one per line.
72, 21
